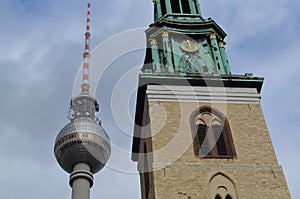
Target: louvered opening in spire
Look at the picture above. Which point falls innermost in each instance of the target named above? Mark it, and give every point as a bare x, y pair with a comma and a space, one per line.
186, 8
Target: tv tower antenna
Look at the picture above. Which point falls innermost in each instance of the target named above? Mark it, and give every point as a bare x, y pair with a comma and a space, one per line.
85, 87
82, 147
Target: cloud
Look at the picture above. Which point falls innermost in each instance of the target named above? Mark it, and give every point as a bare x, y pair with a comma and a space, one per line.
246, 19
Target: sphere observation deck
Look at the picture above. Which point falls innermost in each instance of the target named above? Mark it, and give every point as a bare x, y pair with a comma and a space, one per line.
82, 140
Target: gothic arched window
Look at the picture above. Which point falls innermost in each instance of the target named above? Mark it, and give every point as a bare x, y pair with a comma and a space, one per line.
211, 134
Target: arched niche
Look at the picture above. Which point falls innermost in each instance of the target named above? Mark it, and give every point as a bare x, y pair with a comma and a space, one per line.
222, 186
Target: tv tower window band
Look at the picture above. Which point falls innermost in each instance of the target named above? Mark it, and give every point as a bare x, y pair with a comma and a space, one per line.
82, 147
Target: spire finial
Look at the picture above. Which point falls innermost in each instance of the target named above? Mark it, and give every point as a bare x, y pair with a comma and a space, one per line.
85, 87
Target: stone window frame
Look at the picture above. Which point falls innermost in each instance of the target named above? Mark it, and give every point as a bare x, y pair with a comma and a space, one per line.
223, 186
226, 132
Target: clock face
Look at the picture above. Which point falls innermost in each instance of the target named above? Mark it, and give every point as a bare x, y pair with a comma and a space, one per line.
189, 45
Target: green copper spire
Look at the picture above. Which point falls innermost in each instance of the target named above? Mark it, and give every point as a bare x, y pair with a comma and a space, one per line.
173, 8
181, 42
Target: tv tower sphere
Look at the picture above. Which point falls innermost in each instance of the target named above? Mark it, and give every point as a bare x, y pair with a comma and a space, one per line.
83, 140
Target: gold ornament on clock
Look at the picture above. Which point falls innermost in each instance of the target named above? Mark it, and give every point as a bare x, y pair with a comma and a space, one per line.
189, 45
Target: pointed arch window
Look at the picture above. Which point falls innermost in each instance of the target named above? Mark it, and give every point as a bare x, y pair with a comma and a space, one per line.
211, 134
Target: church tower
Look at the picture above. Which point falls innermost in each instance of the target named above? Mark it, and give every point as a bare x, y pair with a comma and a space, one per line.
199, 130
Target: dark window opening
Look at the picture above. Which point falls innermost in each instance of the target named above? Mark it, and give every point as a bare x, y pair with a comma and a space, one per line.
212, 137
228, 197
175, 6
219, 66
163, 7
218, 197
164, 61
221, 145
186, 6
214, 144
201, 134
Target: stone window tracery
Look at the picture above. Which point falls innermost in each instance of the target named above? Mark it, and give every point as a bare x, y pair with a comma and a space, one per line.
211, 134
222, 187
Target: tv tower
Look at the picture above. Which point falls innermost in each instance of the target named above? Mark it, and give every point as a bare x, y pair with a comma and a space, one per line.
82, 147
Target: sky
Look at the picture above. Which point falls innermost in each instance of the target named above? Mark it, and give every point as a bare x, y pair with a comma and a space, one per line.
41, 48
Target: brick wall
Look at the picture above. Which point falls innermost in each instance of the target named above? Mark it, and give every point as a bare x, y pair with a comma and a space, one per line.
178, 174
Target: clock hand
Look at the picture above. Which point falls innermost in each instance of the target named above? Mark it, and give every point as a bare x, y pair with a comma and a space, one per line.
189, 44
